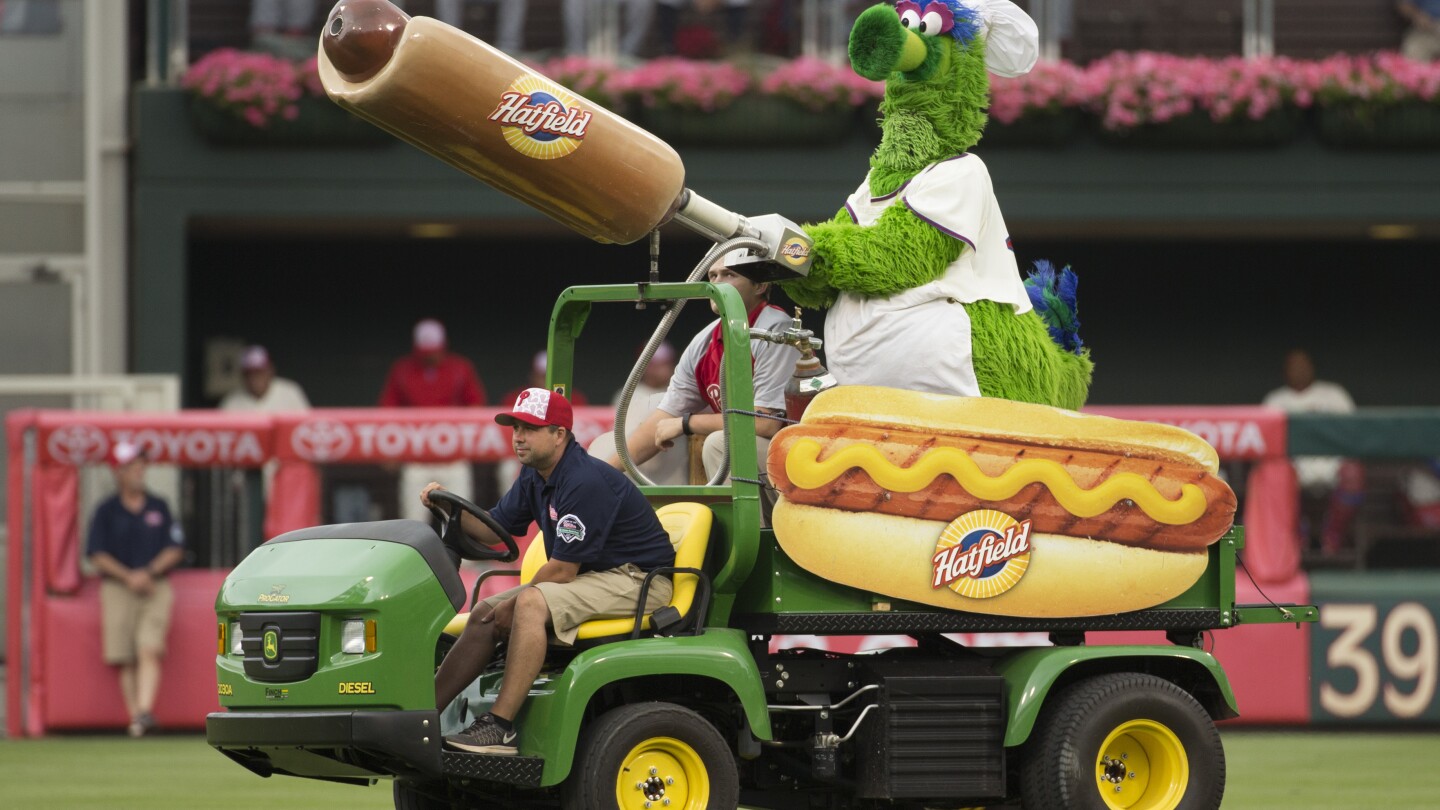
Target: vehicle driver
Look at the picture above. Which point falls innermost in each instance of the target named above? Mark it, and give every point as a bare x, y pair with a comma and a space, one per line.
601, 537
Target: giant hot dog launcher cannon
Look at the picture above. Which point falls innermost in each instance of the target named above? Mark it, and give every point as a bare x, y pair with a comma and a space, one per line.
981, 505
488, 115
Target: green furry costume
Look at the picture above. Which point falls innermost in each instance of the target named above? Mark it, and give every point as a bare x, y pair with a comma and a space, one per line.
936, 93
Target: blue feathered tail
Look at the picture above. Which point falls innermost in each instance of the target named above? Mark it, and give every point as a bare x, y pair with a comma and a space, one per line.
1054, 297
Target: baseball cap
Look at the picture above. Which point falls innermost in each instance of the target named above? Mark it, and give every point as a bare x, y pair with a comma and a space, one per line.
538, 407
255, 358
664, 353
429, 335
1012, 40
125, 452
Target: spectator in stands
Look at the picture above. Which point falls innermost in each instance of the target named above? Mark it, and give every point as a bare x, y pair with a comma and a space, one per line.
134, 544
671, 468
581, 17
692, 407
284, 27
536, 379
1420, 495
1338, 483
262, 390
698, 42
656, 377
431, 377
509, 25
1422, 40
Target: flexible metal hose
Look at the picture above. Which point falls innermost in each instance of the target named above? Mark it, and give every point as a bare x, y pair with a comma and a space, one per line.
666, 323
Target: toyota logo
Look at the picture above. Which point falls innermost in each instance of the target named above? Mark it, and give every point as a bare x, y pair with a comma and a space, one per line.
78, 444
321, 440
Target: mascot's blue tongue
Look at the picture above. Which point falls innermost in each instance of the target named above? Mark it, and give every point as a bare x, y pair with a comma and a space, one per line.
1053, 296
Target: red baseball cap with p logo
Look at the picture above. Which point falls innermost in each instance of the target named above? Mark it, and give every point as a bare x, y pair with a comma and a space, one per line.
539, 407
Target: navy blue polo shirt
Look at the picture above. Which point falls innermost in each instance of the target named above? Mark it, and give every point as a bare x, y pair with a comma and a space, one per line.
590, 512
133, 540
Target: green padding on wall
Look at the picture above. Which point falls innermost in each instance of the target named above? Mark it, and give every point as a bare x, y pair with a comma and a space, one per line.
1347, 586
1375, 654
1367, 433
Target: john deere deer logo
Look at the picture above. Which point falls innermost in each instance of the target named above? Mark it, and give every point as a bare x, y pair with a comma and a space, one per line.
272, 645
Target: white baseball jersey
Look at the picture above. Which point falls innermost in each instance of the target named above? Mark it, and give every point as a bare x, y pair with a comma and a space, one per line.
920, 338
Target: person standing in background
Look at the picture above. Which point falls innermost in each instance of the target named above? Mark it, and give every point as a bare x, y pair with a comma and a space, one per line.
581, 16
1422, 40
1340, 483
284, 27
656, 377
134, 544
262, 390
431, 377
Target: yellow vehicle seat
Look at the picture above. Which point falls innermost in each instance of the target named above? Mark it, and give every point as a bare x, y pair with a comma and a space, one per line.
688, 525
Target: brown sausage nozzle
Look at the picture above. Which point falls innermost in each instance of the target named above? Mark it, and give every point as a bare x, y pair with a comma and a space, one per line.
360, 36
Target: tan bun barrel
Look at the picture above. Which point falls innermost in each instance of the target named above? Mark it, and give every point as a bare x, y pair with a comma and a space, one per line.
498, 121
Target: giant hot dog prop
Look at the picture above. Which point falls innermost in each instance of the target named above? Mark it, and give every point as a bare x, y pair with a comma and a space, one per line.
992, 506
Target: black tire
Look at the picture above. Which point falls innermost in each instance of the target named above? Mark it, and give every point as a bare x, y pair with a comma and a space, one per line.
409, 797
621, 746
1172, 752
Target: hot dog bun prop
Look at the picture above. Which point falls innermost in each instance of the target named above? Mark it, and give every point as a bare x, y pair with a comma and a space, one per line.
488, 115
992, 506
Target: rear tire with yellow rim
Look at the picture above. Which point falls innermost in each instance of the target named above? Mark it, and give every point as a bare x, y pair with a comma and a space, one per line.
1123, 741
652, 755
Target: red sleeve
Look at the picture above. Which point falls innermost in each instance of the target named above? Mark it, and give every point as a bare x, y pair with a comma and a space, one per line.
390, 394
473, 391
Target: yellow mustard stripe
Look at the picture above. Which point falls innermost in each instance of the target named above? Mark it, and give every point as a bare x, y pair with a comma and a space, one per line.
805, 469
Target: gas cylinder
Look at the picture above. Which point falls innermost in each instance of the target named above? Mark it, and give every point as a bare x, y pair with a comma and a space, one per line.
809, 379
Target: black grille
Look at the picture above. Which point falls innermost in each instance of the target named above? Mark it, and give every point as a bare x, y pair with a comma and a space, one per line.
901, 622
935, 737
296, 650
522, 771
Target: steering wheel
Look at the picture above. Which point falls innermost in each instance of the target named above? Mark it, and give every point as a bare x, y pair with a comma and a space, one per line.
455, 537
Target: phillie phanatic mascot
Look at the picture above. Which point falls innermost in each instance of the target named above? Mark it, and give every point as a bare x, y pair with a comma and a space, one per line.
917, 269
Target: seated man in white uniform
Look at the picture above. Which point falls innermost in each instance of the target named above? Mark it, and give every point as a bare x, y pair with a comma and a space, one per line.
691, 405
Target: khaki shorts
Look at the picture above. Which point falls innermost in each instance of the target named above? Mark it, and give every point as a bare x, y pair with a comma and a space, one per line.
608, 594
131, 622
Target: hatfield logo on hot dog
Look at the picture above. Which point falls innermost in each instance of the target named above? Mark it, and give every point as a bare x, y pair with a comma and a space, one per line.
540, 120
1117, 515
981, 554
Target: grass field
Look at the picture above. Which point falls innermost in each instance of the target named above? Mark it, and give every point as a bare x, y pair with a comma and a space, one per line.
1267, 771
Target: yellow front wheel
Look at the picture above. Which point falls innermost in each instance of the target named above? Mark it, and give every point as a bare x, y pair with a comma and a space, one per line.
1123, 741
662, 772
1142, 766
652, 756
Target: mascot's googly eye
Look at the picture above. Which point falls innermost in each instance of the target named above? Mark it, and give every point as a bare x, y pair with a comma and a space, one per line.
937, 19
909, 15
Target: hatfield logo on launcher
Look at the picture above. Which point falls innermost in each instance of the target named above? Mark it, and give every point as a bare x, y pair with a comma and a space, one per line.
321, 440
78, 444
541, 120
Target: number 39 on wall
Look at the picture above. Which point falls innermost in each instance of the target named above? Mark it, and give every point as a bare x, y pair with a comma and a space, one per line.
1374, 662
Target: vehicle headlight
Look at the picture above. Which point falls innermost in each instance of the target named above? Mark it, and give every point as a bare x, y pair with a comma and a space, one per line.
352, 636
236, 640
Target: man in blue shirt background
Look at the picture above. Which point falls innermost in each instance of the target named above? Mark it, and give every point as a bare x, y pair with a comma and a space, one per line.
134, 543
601, 536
